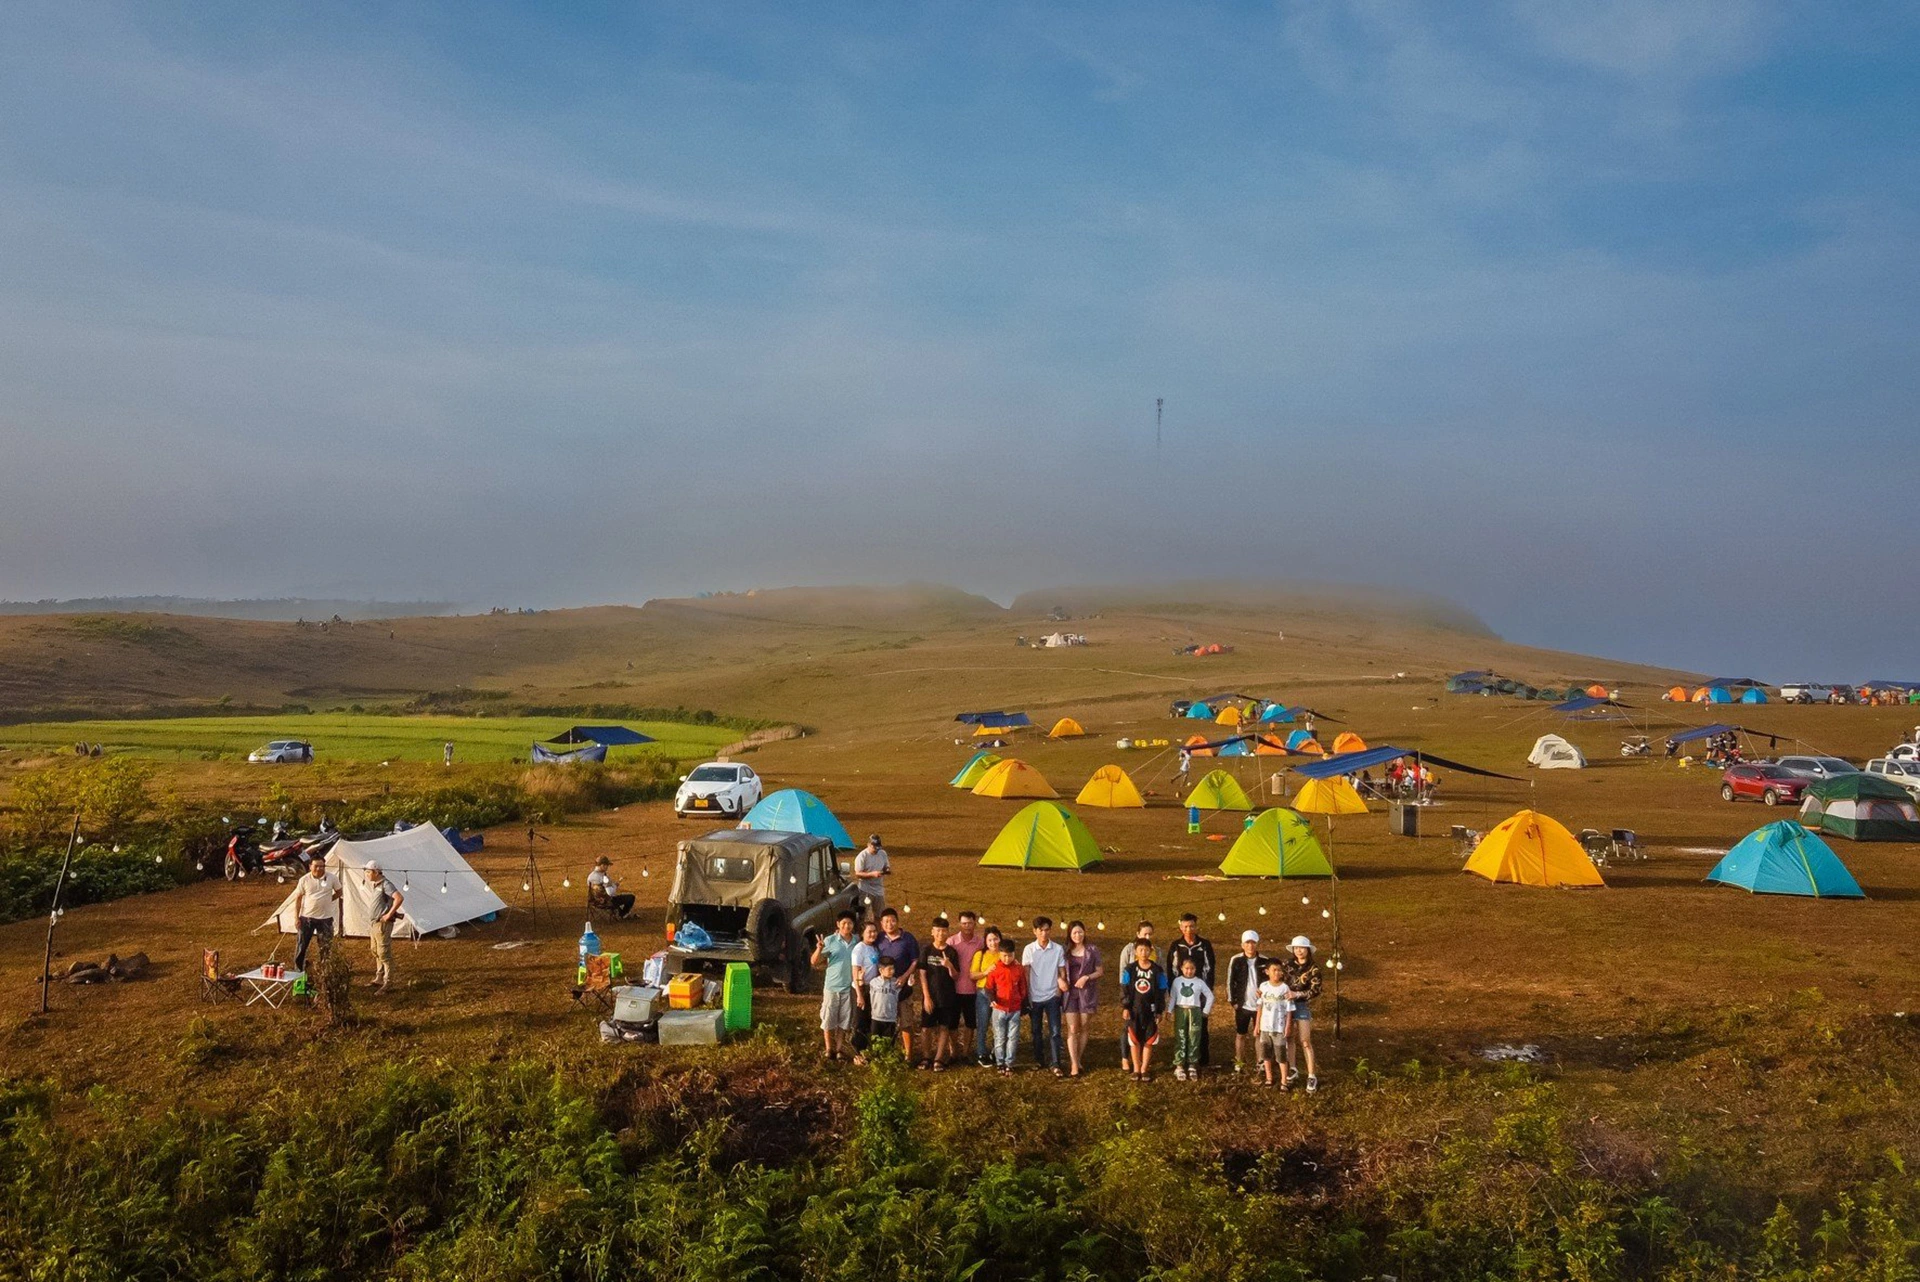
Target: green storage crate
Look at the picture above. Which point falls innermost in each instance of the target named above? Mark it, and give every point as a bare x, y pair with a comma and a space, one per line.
736, 997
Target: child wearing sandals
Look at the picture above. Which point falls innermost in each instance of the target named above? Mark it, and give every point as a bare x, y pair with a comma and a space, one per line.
1144, 997
1276, 1012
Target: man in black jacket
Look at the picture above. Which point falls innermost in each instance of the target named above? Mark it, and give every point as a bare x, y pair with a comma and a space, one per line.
1191, 946
1244, 975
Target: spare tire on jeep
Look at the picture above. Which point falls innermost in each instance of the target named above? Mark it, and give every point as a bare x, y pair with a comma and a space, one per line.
768, 937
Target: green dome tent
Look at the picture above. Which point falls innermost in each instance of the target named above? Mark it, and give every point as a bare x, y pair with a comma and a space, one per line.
977, 765
1861, 807
1218, 791
1043, 835
1278, 844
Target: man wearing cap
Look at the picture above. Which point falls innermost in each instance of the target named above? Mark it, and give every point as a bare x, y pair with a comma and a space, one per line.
870, 869
602, 888
387, 900
1244, 975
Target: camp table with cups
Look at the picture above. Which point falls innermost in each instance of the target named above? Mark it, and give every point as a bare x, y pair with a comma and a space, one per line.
274, 987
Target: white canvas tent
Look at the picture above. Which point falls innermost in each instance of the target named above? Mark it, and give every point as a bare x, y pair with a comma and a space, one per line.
1551, 752
421, 861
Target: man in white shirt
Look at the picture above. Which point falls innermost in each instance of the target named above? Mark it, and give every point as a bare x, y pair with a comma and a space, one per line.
1046, 964
602, 889
316, 898
870, 869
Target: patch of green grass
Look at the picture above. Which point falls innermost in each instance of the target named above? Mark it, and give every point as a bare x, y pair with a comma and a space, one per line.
348, 736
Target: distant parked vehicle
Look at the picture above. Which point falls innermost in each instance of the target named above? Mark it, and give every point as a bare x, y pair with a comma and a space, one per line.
1804, 692
1815, 769
1904, 752
1905, 773
1763, 782
282, 752
717, 788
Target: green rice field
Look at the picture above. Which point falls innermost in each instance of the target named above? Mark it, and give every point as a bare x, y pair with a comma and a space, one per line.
346, 737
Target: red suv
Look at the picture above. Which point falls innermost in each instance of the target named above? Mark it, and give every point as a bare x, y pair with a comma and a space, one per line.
1761, 782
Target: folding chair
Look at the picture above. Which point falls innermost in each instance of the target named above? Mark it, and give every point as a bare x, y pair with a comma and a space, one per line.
1598, 848
600, 905
597, 992
215, 987
1626, 845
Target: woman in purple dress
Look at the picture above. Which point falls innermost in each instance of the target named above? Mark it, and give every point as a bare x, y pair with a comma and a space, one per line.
1083, 993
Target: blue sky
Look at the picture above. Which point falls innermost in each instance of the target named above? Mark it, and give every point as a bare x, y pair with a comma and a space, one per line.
1599, 317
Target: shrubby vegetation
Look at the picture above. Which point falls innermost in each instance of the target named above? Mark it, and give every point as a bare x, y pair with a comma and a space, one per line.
139, 840
739, 1168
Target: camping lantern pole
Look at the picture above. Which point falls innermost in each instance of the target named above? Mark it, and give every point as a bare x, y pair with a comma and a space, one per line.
1334, 886
53, 913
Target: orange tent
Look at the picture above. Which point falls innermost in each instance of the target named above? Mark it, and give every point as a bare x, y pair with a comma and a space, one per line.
1700, 695
1597, 691
1349, 742
1310, 748
1267, 746
1197, 746
1677, 695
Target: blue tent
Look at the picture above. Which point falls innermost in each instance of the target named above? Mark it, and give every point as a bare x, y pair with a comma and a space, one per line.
1200, 712
984, 752
1754, 694
1277, 712
794, 810
1785, 859
1297, 738
1236, 747
1719, 694
606, 736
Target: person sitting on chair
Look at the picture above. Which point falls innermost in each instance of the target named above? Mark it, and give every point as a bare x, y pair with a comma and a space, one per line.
604, 892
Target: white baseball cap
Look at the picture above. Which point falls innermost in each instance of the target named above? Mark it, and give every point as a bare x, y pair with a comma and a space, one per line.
373, 865
1249, 936
1301, 941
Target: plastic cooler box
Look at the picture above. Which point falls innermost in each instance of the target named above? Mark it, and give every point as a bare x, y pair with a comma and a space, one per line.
636, 1004
692, 1027
684, 992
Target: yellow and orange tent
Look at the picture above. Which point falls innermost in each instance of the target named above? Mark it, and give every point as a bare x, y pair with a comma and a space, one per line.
1066, 728
1701, 695
1196, 746
1013, 778
1266, 745
1597, 691
1229, 716
1111, 789
1531, 849
1677, 695
1349, 742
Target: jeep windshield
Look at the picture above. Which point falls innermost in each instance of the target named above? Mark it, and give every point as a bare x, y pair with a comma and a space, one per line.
714, 774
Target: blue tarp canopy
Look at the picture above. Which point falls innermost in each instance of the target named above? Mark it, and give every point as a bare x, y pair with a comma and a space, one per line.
1231, 697
608, 736
1890, 685
1735, 683
1701, 732
1347, 763
974, 718
1002, 720
543, 755
1580, 703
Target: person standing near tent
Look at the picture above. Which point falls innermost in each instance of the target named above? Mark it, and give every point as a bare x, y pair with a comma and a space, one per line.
1144, 984
835, 951
870, 869
1302, 979
1046, 964
967, 945
600, 884
1143, 931
1186, 764
1195, 947
387, 902
904, 949
446, 753
1192, 1000
315, 901
1084, 970
940, 999
1245, 973
1006, 987
982, 965
1275, 1004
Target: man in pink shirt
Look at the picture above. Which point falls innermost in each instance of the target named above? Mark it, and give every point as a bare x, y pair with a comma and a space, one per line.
968, 943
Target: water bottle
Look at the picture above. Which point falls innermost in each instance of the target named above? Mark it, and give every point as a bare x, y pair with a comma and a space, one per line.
589, 944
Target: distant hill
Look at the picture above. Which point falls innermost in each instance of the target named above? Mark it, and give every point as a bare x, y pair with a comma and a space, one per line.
1275, 599
905, 605
284, 609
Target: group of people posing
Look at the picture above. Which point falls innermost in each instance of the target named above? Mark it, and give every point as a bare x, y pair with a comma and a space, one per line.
977, 985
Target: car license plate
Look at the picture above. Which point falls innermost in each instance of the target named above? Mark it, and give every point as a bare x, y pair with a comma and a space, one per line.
699, 803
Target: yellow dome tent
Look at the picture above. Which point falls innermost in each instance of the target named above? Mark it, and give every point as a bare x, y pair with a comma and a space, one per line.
1531, 849
1110, 789
1066, 728
1013, 778
1329, 797
1229, 716
989, 732
1349, 742
977, 765
1279, 844
1043, 835
1218, 791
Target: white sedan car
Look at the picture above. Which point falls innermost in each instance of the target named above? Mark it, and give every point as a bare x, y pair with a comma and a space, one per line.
719, 788
282, 752
1904, 773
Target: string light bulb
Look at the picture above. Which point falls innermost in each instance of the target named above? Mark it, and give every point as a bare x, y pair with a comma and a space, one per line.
1099, 925
526, 885
645, 873
1223, 916
1019, 923
443, 883
1263, 910
1305, 900
566, 883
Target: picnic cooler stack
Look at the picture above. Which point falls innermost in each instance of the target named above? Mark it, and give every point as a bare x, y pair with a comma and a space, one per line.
677, 1012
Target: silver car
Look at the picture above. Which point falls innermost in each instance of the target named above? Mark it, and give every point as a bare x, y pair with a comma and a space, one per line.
1817, 768
282, 752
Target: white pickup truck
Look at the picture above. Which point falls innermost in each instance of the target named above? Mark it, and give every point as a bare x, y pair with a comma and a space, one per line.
1905, 773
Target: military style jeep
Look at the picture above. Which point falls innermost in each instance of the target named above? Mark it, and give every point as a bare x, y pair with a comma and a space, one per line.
763, 897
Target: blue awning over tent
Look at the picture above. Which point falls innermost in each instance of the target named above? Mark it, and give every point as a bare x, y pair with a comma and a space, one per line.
1580, 703
1346, 763
1734, 683
973, 718
606, 736
1003, 720
1701, 732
